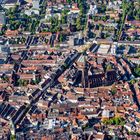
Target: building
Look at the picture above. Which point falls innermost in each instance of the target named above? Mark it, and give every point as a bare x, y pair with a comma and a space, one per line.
104, 46
93, 10
10, 3
2, 18
113, 48
4, 49
35, 4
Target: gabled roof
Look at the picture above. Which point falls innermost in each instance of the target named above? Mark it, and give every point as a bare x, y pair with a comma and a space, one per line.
8, 1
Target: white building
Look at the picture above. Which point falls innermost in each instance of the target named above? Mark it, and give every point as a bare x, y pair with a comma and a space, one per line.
10, 3
104, 48
2, 18
113, 48
93, 10
35, 4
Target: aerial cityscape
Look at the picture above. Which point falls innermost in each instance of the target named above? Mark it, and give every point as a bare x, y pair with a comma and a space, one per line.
69, 69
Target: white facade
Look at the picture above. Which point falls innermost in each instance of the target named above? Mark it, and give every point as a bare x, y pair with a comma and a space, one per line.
113, 48
36, 4
93, 10
2, 18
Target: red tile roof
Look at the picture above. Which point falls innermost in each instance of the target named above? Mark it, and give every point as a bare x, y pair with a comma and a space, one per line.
11, 33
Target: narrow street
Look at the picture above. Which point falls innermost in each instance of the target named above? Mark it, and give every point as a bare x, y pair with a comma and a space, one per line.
135, 95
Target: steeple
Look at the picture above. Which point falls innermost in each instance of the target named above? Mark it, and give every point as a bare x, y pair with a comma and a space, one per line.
85, 72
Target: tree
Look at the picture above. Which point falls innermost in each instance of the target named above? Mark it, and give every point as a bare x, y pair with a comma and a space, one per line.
109, 67
22, 82
36, 81
34, 24
78, 23
46, 41
61, 38
137, 16
57, 46
137, 70
114, 121
5, 78
113, 90
102, 9
104, 18
69, 1
3, 29
133, 81
12, 137
63, 17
